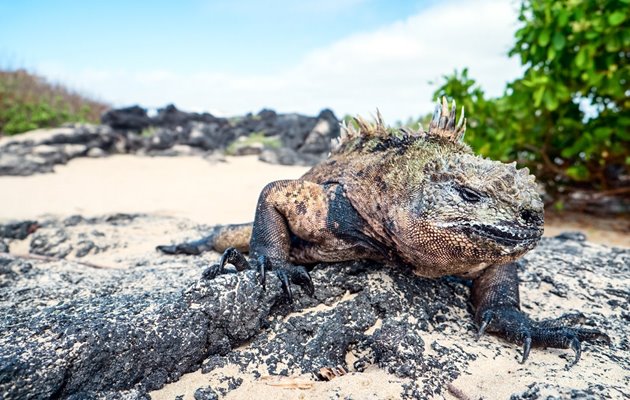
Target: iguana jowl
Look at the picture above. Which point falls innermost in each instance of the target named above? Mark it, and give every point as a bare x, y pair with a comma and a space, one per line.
420, 200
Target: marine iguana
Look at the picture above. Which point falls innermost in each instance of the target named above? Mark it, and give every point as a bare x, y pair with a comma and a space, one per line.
420, 200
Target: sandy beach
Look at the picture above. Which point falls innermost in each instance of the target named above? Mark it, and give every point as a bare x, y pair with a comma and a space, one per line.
191, 187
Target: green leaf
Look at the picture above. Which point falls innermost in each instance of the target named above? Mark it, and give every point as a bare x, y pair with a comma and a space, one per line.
563, 18
578, 172
558, 205
590, 35
550, 101
578, 145
520, 33
543, 38
538, 95
580, 58
623, 134
558, 41
527, 83
602, 133
561, 92
616, 18
613, 45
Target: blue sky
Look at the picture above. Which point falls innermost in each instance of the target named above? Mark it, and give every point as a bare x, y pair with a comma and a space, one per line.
231, 57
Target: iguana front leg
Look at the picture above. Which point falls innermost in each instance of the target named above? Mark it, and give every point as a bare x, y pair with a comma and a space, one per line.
285, 209
495, 297
281, 215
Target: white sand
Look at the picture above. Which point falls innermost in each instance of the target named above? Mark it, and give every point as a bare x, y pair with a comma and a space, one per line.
190, 187
373, 384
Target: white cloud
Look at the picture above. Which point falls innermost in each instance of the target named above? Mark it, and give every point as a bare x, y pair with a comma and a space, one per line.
387, 68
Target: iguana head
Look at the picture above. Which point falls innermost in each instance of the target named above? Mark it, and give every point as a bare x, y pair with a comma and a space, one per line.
479, 210
467, 212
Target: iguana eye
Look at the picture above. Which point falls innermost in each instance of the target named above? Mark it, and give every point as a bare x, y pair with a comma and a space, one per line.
468, 194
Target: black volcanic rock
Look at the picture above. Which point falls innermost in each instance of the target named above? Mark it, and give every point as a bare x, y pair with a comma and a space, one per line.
289, 138
75, 330
132, 118
18, 230
171, 117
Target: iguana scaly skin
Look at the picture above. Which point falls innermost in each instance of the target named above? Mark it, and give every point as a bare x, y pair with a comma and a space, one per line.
419, 200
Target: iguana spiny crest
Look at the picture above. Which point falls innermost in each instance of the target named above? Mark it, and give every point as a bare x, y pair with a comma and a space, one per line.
442, 126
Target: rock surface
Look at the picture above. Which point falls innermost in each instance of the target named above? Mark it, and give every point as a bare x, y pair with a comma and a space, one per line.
297, 139
99, 314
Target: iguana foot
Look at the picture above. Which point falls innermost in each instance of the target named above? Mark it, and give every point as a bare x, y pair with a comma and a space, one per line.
516, 327
191, 248
288, 274
230, 256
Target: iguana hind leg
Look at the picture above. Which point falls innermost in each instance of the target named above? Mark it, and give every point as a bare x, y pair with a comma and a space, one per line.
220, 239
495, 297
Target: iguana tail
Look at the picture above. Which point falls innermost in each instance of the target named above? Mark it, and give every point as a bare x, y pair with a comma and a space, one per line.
221, 238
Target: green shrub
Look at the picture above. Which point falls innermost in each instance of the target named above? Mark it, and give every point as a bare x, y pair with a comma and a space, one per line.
568, 117
29, 102
148, 131
269, 142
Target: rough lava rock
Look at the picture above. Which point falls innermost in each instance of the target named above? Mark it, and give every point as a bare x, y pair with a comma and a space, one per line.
18, 230
301, 139
132, 118
77, 331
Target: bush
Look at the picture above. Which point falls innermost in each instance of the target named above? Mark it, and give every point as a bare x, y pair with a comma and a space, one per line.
29, 102
253, 139
568, 117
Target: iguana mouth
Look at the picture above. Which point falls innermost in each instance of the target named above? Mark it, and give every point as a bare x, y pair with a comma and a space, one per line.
508, 235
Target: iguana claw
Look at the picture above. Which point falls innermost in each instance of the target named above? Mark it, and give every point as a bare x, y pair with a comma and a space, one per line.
234, 257
516, 327
287, 274
230, 256
486, 318
263, 266
527, 346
